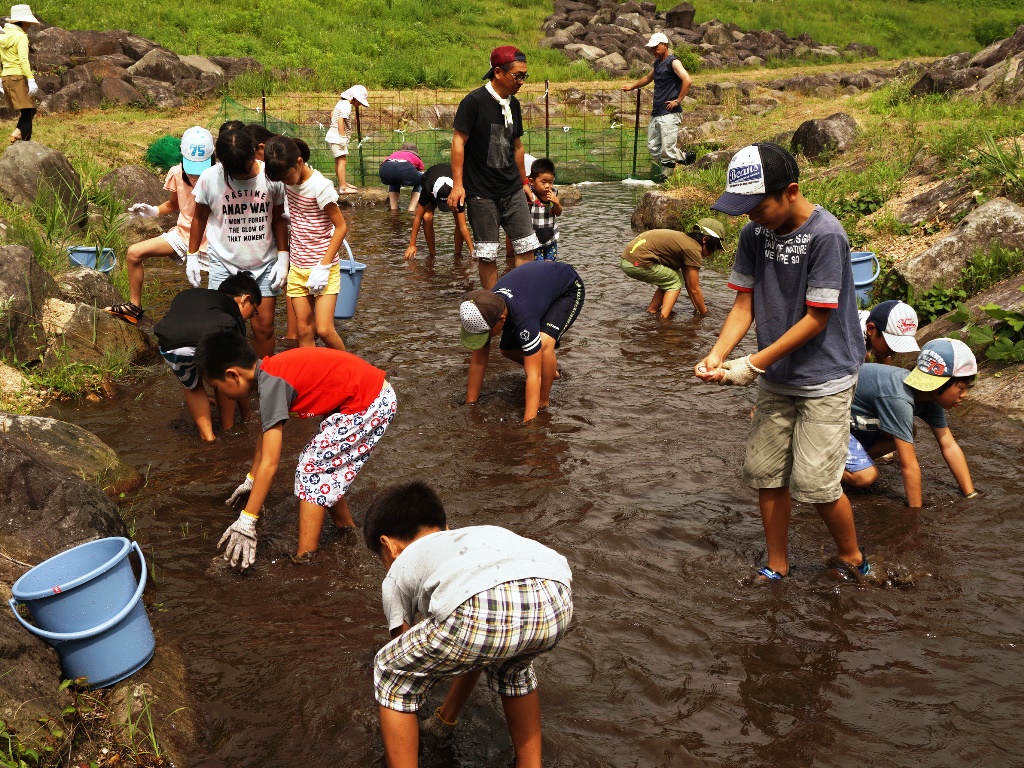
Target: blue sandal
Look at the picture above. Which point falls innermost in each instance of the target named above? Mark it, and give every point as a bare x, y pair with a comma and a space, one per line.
767, 574
847, 570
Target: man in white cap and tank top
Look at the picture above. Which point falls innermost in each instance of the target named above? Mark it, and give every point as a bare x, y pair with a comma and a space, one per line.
671, 82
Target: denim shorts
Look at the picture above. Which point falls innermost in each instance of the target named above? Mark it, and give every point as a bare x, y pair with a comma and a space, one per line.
219, 273
400, 173
857, 458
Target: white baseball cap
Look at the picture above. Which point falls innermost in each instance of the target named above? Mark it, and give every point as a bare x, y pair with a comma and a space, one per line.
357, 92
898, 323
196, 150
656, 39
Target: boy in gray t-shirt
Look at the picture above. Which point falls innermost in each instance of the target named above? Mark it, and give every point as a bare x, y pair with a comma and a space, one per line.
490, 601
792, 275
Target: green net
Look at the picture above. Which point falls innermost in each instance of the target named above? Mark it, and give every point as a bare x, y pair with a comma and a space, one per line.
583, 147
165, 152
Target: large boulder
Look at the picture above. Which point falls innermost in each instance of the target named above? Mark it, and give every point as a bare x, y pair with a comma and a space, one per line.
1000, 50
87, 286
134, 184
944, 201
158, 93
613, 63
75, 449
84, 334
31, 172
830, 134
997, 222
585, 52
54, 41
161, 65
96, 43
117, 91
666, 209
134, 46
680, 16
942, 80
24, 288
235, 66
83, 94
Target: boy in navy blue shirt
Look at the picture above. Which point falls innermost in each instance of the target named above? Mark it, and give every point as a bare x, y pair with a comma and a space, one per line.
531, 307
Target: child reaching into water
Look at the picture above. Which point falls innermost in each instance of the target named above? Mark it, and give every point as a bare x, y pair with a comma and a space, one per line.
196, 156
352, 397
437, 185
489, 601
194, 313
317, 231
242, 214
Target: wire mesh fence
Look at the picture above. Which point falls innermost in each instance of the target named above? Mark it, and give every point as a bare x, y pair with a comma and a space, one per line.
591, 133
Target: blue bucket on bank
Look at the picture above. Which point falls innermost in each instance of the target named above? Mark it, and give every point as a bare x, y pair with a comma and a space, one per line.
351, 279
102, 259
86, 604
866, 269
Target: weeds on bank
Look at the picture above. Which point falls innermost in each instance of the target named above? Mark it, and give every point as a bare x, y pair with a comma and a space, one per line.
1002, 342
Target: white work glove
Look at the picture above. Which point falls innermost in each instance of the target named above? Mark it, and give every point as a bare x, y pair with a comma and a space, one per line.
740, 372
145, 210
192, 270
241, 539
32, 87
279, 274
318, 277
1, 88
241, 494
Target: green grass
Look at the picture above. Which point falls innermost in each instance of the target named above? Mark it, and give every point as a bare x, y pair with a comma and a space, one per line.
436, 43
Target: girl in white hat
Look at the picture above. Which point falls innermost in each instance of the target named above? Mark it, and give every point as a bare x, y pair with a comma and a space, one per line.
338, 133
16, 82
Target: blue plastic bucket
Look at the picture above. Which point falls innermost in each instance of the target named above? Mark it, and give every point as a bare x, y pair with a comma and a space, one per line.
86, 604
94, 258
351, 279
865, 271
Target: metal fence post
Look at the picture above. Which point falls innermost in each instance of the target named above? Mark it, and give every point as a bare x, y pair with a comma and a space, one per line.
547, 120
636, 132
263, 105
359, 144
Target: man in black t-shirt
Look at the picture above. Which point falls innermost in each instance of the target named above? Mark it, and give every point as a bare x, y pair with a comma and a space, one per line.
488, 166
437, 185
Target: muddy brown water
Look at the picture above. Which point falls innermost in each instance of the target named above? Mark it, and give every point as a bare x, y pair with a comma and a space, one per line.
634, 474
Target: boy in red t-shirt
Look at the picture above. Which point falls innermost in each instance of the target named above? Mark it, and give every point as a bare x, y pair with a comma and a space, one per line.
353, 397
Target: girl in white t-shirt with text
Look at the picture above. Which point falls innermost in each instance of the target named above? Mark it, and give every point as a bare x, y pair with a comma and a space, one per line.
338, 134
317, 232
242, 214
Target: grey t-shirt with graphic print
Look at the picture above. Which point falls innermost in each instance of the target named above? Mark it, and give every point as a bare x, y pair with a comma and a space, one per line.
437, 573
810, 266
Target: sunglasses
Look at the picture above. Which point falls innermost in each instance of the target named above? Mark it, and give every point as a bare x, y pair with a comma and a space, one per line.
519, 77
255, 309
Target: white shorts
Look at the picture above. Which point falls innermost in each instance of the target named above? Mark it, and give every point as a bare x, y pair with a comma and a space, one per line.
340, 149
180, 247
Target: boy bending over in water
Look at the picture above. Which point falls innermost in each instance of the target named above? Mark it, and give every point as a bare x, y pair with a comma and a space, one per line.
490, 601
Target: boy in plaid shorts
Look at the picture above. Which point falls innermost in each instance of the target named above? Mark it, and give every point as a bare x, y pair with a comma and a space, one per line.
490, 601
352, 397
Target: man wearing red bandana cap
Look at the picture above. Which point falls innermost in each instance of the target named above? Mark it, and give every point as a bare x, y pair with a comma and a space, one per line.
488, 168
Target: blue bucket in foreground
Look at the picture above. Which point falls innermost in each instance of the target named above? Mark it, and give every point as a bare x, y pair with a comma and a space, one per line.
351, 279
86, 604
866, 269
103, 259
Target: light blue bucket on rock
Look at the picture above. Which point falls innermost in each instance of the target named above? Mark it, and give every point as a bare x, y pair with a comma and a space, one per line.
86, 604
866, 269
351, 279
102, 259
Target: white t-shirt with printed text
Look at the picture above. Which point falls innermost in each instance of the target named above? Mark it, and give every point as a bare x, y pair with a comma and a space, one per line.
241, 212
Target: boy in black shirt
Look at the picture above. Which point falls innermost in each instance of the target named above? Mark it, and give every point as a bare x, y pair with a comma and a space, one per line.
436, 186
488, 167
193, 314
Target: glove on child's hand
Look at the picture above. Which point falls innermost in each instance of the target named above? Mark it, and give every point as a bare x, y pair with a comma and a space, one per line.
145, 210
241, 539
279, 274
241, 494
192, 270
32, 87
318, 277
740, 372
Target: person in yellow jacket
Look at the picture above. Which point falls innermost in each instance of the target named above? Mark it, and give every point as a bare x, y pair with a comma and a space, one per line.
16, 82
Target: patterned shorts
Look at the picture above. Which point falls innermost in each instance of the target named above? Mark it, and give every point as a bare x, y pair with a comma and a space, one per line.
501, 630
329, 464
183, 362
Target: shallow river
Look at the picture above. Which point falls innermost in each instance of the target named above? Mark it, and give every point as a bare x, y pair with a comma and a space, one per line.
634, 474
